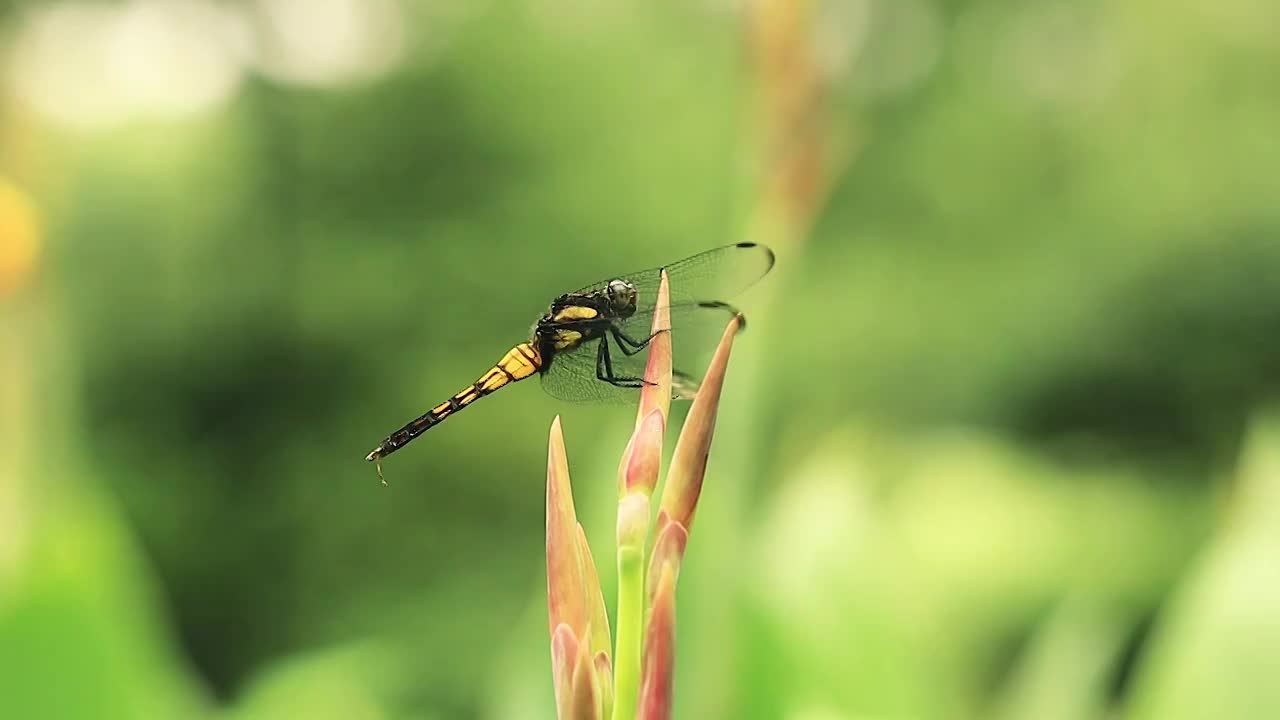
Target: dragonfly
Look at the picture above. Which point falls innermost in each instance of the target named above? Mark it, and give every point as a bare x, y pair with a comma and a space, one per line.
586, 346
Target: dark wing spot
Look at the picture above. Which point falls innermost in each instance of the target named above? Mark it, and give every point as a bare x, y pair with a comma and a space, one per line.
717, 305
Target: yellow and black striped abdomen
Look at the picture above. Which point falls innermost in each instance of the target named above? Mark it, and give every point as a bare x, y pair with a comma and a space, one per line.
519, 363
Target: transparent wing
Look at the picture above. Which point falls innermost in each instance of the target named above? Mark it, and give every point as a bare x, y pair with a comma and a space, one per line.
572, 375
708, 276
698, 319
696, 329
695, 332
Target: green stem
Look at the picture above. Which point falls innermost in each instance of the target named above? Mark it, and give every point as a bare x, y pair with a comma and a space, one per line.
626, 668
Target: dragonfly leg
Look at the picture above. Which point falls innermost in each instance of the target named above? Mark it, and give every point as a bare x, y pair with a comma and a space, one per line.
604, 369
627, 344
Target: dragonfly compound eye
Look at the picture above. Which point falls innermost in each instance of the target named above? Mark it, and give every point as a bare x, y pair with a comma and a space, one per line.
622, 297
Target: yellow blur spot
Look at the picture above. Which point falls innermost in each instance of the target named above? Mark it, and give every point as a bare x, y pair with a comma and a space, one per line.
19, 237
575, 312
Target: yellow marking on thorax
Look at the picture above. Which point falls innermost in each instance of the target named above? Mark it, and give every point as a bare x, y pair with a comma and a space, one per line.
567, 338
575, 312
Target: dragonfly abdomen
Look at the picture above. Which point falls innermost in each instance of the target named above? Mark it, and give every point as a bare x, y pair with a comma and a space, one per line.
519, 363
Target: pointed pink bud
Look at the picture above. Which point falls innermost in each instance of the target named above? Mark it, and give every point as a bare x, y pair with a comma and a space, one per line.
656, 394
638, 472
689, 462
604, 674
575, 605
659, 651
584, 699
566, 598
564, 655
594, 599
668, 551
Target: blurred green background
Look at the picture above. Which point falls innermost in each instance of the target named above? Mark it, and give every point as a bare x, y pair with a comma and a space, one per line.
997, 444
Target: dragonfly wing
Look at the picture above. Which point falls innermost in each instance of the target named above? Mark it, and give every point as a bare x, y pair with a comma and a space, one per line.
698, 319
572, 374
708, 276
695, 332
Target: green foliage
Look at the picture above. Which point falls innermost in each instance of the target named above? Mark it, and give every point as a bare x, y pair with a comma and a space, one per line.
983, 430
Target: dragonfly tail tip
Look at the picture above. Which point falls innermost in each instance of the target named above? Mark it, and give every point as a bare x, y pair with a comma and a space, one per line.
375, 457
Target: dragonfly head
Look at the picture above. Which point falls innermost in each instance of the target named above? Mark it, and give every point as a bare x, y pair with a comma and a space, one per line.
622, 297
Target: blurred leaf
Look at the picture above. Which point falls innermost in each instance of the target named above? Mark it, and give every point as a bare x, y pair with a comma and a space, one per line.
1066, 671
1217, 648
337, 684
81, 632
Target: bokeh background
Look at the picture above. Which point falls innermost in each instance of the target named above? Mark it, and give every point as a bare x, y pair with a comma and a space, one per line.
997, 444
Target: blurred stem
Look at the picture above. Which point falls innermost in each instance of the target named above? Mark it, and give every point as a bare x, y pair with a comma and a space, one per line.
630, 630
